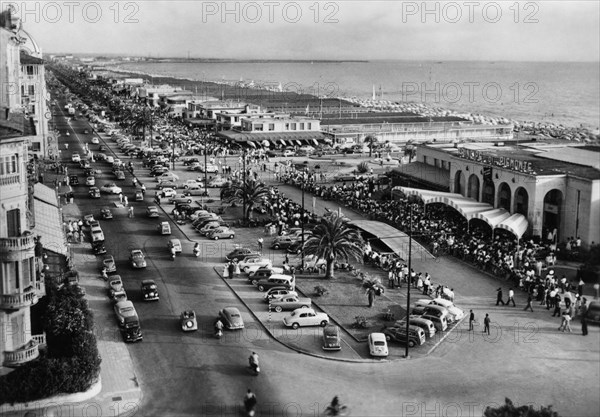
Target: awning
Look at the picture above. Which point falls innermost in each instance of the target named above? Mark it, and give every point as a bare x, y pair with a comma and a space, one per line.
48, 224
493, 217
283, 142
252, 144
393, 238
298, 142
516, 224
316, 142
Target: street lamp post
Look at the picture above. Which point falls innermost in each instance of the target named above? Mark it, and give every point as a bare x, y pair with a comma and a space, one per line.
205, 136
302, 214
409, 281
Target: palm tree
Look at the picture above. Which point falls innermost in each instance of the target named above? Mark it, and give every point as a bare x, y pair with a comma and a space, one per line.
333, 239
248, 192
370, 140
140, 120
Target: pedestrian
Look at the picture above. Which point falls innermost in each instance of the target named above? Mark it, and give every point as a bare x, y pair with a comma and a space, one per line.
231, 269
556, 312
584, 329
125, 201
121, 197
260, 243
426, 284
471, 320
529, 300
143, 189
131, 212
486, 324
391, 278
511, 297
566, 322
371, 296
499, 299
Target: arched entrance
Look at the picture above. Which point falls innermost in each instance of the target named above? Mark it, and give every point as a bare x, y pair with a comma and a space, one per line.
504, 196
552, 211
473, 191
459, 183
521, 201
488, 193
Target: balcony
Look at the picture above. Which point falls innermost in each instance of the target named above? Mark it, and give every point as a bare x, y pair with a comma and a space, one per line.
17, 244
10, 179
19, 300
40, 339
23, 355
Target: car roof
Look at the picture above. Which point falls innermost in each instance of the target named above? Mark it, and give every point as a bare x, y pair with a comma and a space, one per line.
124, 304
376, 337
148, 282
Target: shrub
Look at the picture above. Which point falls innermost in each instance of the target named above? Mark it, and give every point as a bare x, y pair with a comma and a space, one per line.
362, 168
509, 410
321, 290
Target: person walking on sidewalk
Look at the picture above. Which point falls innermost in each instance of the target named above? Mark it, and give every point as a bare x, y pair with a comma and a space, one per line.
471, 320
511, 297
260, 244
486, 324
130, 212
529, 300
499, 299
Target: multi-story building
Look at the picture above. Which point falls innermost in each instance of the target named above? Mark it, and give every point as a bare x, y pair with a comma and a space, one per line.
20, 284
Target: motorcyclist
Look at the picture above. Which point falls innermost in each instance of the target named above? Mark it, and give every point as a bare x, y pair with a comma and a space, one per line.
173, 253
253, 360
335, 406
250, 402
218, 326
197, 249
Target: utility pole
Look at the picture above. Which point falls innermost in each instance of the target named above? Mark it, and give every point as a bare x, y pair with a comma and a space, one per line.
409, 281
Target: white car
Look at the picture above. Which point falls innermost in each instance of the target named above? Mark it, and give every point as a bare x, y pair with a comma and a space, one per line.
288, 152
210, 168
90, 181
169, 192
190, 183
454, 311
306, 317
251, 270
75, 157
218, 182
378, 345
257, 261
111, 188
95, 140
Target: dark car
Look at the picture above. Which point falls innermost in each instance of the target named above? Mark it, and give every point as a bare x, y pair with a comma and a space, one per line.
98, 247
592, 314
73, 180
189, 161
149, 290
331, 338
295, 248
240, 253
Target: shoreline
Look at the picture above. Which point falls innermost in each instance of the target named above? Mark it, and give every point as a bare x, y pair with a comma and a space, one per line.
240, 90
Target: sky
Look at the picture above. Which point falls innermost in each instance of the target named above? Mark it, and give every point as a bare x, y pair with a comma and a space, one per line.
362, 30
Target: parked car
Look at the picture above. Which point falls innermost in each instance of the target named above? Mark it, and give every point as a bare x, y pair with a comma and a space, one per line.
288, 152
331, 338
377, 345
306, 317
115, 285
194, 166
111, 188
252, 261
277, 292
210, 168
592, 314
105, 213
138, 196
96, 232
149, 290
197, 190
180, 199
98, 247
283, 242
231, 318
94, 192
167, 176
416, 335
90, 181
158, 170
164, 228
218, 182
240, 254
137, 258
120, 175
109, 263
88, 219
344, 177
255, 275
275, 280
427, 325
174, 243
209, 227
188, 321
75, 157
290, 302
221, 233
190, 160
455, 312
167, 184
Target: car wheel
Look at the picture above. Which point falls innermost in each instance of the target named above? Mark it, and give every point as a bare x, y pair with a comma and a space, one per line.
278, 309
323, 323
261, 288
254, 281
231, 236
411, 343
295, 326
276, 246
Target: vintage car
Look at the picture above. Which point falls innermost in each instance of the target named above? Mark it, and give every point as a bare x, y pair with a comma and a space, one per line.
416, 335
152, 211
88, 219
149, 290
139, 196
98, 247
188, 321
111, 188
290, 302
241, 254
74, 180
137, 259
115, 285
306, 317
125, 310
331, 338
75, 157
174, 243
255, 260
378, 345
231, 318
221, 233
109, 263
119, 174
182, 198
164, 228
256, 274
283, 242
105, 213
277, 292
94, 192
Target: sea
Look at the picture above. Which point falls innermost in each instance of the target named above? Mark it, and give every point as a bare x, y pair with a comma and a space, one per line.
566, 93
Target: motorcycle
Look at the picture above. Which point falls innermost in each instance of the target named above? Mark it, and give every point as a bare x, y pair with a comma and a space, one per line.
218, 333
255, 369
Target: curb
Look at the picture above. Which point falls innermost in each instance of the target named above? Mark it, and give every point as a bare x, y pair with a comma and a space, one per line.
58, 400
301, 351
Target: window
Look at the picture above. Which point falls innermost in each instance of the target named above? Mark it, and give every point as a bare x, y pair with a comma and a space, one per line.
30, 70
31, 90
293, 126
36, 146
287, 126
301, 126
309, 126
8, 165
258, 127
271, 126
13, 222
424, 159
